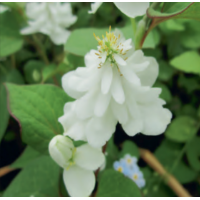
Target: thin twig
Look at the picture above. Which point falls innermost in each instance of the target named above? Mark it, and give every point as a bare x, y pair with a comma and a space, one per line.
151, 160
5, 170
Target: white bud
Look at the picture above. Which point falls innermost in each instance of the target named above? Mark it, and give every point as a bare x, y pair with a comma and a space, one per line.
61, 150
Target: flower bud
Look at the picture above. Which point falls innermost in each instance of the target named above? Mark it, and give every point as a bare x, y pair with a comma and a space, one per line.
61, 150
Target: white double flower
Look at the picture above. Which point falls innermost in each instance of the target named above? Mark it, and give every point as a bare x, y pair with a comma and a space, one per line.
78, 164
50, 19
115, 86
131, 9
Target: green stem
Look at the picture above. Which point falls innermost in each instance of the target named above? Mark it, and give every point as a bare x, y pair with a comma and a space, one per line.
133, 22
40, 49
180, 156
13, 63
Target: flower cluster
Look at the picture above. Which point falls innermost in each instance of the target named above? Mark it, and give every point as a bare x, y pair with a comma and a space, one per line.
78, 164
50, 19
128, 166
115, 86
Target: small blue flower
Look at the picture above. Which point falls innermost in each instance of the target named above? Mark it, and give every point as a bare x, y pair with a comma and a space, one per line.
128, 166
137, 177
121, 167
130, 161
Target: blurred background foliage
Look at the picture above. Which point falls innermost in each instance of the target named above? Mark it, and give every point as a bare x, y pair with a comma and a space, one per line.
175, 44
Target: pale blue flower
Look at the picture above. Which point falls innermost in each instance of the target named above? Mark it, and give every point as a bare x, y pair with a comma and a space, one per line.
128, 166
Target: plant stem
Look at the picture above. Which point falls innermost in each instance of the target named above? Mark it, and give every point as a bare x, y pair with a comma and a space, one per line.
180, 156
152, 161
133, 22
40, 49
13, 63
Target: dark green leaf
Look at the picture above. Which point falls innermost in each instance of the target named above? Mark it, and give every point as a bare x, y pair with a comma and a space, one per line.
111, 153
193, 153
165, 71
165, 94
167, 153
129, 147
12, 76
25, 158
38, 178
115, 184
182, 129
11, 40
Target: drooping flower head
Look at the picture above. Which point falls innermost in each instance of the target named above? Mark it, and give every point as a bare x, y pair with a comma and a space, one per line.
115, 86
50, 19
78, 164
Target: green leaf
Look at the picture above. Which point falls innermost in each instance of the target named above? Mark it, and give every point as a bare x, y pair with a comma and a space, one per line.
81, 41
165, 94
37, 108
165, 71
4, 115
25, 158
186, 10
38, 178
51, 70
188, 110
189, 83
111, 153
193, 153
171, 152
12, 76
32, 71
182, 129
187, 62
131, 148
115, 184
11, 40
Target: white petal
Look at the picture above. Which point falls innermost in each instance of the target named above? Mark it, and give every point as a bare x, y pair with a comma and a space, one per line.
101, 104
116, 88
59, 36
3, 8
88, 157
130, 75
77, 131
100, 129
91, 59
120, 112
133, 126
67, 85
94, 7
79, 182
29, 30
34, 9
85, 105
132, 9
156, 118
106, 79
119, 60
150, 74
60, 149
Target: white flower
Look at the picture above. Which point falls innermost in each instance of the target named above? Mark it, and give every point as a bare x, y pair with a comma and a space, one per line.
50, 19
131, 9
78, 163
3, 8
114, 86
